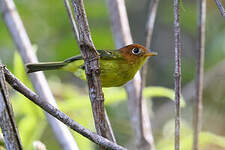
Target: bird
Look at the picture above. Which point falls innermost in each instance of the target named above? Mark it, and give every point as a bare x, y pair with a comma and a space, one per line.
117, 67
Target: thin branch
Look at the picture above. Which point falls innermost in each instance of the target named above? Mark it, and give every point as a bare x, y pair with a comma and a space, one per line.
72, 21
150, 22
148, 31
7, 120
197, 105
177, 71
52, 110
209, 77
220, 7
120, 24
24, 46
109, 128
92, 71
122, 36
153, 6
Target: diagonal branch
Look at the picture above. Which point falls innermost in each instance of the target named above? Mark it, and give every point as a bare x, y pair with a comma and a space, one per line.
177, 71
24, 46
120, 24
148, 31
7, 121
150, 22
72, 21
92, 71
52, 110
220, 7
197, 104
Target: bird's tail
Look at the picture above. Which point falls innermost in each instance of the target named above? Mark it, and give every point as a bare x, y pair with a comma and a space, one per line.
44, 66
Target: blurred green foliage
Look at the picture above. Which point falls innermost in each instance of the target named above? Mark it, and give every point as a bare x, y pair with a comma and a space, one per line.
206, 140
50, 31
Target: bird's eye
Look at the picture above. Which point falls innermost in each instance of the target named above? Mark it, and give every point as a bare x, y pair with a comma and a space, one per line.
136, 51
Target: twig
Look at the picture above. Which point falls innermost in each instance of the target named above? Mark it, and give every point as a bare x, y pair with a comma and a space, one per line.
72, 21
153, 6
109, 128
20, 87
92, 70
150, 22
7, 121
122, 36
197, 104
23, 44
177, 72
220, 7
148, 31
209, 76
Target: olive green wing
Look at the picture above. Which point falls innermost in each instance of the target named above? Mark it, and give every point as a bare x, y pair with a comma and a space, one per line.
76, 63
104, 54
109, 54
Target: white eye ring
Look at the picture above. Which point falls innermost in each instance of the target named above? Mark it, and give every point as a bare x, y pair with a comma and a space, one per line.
136, 51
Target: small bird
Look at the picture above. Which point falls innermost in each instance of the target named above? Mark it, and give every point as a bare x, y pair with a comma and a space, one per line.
117, 66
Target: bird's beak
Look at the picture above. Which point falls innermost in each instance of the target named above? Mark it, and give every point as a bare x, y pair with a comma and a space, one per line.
151, 54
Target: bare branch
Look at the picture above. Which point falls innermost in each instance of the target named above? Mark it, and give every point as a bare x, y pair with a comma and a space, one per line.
72, 21
52, 110
92, 70
217, 70
109, 128
153, 6
148, 31
150, 22
122, 36
23, 44
197, 105
177, 71
220, 7
7, 121
120, 23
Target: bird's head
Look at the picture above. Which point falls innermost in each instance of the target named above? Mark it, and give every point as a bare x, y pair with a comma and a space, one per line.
136, 53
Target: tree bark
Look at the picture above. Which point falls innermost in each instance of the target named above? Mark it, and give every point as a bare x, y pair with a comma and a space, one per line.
7, 120
177, 71
92, 70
